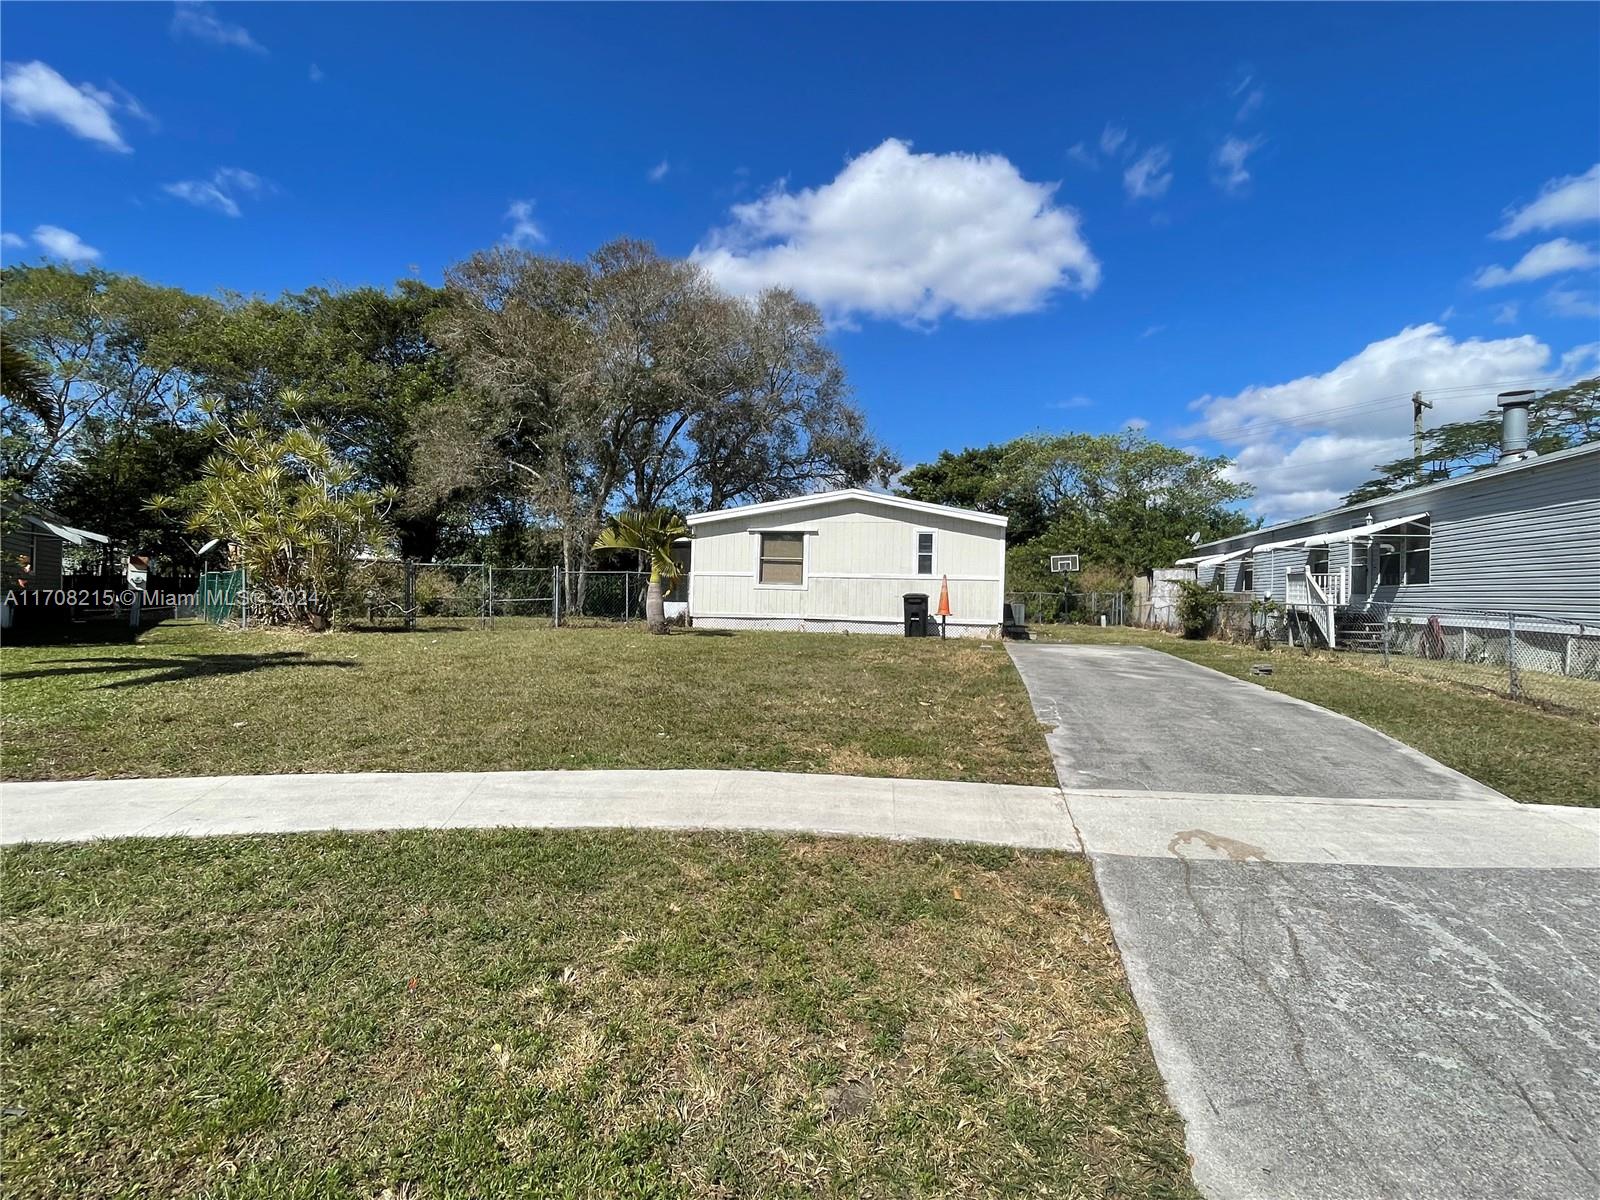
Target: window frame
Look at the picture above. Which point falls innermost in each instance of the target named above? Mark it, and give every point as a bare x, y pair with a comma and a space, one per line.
1245, 581
805, 558
1413, 543
916, 553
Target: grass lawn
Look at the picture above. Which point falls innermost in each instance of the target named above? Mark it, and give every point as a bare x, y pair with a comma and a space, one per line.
453, 1014
1528, 753
187, 699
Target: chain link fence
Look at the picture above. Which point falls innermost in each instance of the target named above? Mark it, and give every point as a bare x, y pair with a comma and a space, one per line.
1522, 656
1072, 608
392, 593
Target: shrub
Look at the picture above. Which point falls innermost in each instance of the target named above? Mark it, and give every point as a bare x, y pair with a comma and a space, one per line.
1197, 607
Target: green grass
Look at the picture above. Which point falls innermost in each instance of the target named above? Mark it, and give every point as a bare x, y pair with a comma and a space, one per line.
573, 1014
187, 699
1527, 752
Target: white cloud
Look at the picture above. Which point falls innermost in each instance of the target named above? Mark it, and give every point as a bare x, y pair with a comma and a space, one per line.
193, 18
1569, 302
221, 192
12, 241
525, 230
1547, 258
63, 243
1253, 99
1506, 314
1306, 443
1072, 402
1147, 177
1080, 153
908, 237
1137, 424
1228, 169
1112, 138
659, 172
1570, 200
1152, 330
34, 91
316, 74
1580, 361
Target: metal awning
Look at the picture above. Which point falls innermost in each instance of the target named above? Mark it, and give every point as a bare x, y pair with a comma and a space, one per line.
1265, 546
1344, 535
1216, 559
65, 532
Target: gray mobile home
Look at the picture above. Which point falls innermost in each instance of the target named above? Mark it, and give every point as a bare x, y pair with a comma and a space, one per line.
1452, 559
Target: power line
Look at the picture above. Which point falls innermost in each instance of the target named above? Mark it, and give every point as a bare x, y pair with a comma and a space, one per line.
1312, 416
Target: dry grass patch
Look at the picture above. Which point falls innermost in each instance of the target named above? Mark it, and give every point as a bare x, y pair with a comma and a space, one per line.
190, 700
571, 1014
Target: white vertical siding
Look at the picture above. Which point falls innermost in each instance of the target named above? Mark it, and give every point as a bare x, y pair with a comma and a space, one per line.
861, 559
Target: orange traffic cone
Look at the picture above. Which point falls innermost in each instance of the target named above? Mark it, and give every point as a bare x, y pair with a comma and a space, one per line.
943, 611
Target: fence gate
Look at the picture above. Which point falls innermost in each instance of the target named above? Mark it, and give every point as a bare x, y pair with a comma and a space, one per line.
218, 594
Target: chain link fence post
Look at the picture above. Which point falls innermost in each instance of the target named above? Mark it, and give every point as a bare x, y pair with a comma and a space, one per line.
408, 594
1513, 677
1384, 636
555, 593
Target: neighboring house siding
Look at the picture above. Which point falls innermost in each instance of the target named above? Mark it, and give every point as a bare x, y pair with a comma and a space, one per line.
1524, 540
860, 561
43, 551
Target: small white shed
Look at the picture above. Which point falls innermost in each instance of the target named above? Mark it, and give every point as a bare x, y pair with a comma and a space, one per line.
844, 560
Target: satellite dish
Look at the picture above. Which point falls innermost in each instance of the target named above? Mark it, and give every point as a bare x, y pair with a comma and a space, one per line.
208, 547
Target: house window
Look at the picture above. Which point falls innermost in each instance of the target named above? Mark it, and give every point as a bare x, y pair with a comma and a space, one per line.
783, 559
1418, 544
1404, 553
1317, 560
1247, 574
1359, 583
924, 553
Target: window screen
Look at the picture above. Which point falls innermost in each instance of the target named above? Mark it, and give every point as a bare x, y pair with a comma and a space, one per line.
1247, 573
783, 558
924, 554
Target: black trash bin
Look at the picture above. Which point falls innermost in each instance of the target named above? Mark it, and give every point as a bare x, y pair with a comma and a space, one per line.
916, 614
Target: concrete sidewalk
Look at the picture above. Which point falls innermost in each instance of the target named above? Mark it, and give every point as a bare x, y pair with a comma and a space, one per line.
71, 811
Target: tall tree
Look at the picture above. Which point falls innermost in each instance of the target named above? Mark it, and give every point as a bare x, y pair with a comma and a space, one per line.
980, 479
116, 352
1122, 502
1566, 417
630, 379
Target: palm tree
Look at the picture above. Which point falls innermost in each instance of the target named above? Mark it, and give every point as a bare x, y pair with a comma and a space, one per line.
649, 533
23, 380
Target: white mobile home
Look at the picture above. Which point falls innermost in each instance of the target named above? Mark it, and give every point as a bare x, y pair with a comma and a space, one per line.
845, 560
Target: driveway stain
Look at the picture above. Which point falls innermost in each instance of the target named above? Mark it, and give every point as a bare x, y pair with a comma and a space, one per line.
1236, 850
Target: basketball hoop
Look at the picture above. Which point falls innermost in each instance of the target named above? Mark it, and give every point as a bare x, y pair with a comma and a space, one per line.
1060, 564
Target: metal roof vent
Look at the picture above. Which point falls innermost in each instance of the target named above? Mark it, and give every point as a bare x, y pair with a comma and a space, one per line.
1514, 426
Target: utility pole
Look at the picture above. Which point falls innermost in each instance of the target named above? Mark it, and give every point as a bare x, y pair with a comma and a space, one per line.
1417, 405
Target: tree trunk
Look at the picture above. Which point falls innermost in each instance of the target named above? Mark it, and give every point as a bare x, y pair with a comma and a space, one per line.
655, 610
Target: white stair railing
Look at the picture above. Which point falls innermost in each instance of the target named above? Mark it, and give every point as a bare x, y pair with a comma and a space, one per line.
1315, 594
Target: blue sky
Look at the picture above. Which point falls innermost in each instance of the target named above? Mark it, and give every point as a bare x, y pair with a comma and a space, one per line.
1221, 221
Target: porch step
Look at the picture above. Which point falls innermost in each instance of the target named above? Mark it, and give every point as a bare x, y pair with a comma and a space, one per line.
1360, 635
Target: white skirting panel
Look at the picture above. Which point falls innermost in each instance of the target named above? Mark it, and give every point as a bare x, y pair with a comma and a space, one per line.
836, 625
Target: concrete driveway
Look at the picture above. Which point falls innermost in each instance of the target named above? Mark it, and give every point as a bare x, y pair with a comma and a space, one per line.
1363, 974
